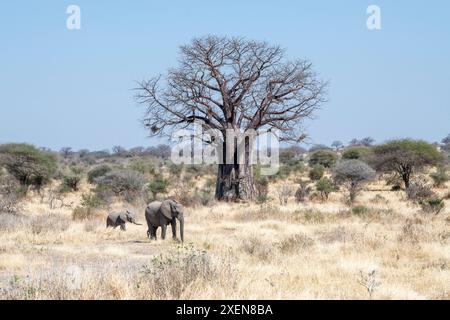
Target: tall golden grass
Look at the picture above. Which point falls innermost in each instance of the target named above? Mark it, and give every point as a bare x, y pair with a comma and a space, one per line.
386, 249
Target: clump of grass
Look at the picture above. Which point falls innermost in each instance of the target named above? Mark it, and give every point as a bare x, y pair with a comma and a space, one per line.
168, 276
310, 216
262, 212
361, 210
10, 222
413, 232
91, 225
295, 243
49, 223
338, 234
255, 247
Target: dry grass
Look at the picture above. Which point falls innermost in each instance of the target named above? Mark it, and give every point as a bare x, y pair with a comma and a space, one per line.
384, 249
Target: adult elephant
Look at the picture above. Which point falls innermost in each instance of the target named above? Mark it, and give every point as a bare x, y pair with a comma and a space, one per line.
161, 214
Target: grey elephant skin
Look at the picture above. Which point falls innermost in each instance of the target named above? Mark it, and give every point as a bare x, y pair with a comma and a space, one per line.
161, 214
115, 220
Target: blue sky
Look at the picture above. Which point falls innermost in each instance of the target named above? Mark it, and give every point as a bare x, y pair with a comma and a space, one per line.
73, 88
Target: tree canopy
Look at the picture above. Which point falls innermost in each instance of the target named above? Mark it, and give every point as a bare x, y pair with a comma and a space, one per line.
403, 157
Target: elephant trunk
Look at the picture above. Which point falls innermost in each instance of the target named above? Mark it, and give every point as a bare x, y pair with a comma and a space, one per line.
182, 229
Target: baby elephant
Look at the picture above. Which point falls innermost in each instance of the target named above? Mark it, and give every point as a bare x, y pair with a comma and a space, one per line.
120, 219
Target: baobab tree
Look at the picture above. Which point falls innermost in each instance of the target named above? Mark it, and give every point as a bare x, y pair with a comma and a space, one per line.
233, 84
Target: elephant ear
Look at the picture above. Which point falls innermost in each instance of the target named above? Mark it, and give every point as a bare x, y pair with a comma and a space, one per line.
166, 209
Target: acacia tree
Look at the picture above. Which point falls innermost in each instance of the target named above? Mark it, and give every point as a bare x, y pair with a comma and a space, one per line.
233, 84
403, 157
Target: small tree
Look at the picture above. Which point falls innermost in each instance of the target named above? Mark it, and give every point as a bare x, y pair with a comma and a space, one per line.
353, 175
403, 157
316, 172
120, 151
71, 182
325, 186
29, 165
157, 186
360, 153
368, 141
337, 145
66, 152
326, 158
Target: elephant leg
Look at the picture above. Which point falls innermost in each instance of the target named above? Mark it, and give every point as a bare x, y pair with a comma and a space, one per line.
174, 229
123, 227
163, 231
152, 233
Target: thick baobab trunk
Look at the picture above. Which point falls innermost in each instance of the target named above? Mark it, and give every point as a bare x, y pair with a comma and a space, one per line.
235, 180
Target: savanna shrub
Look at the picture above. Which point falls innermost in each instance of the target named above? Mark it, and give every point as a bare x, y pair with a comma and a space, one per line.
11, 194
440, 177
71, 182
356, 153
418, 191
157, 186
98, 172
128, 184
171, 274
353, 175
143, 166
302, 192
49, 223
434, 206
325, 186
29, 165
316, 172
326, 158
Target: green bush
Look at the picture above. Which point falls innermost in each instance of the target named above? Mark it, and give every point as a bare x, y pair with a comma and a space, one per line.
326, 158
157, 186
91, 201
359, 153
440, 177
127, 184
29, 165
316, 172
98, 172
174, 169
143, 166
71, 182
361, 210
325, 186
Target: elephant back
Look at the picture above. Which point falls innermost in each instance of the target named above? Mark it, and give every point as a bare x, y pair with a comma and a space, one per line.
152, 209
